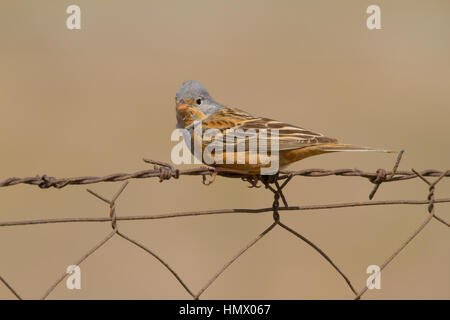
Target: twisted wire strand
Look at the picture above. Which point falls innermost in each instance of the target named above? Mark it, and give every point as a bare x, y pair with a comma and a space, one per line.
165, 171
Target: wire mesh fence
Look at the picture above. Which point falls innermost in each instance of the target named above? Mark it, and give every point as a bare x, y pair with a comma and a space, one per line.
275, 184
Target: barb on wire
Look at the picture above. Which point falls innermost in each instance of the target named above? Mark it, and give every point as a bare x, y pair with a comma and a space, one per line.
275, 184
381, 175
45, 181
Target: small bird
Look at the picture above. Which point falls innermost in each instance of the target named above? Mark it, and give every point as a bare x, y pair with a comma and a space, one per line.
195, 105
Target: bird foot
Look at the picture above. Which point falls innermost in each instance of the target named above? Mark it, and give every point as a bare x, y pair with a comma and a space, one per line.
268, 179
213, 173
253, 180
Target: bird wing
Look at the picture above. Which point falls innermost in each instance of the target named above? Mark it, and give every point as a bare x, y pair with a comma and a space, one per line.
229, 120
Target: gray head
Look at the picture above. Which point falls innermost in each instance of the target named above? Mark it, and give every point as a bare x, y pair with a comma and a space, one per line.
193, 100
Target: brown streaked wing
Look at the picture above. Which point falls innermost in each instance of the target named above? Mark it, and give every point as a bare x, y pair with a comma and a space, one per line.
226, 118
290, 136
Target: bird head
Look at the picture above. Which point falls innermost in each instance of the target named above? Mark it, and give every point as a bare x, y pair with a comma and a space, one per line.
193, 102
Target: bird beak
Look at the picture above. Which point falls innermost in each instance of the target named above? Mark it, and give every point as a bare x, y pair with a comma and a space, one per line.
182, 107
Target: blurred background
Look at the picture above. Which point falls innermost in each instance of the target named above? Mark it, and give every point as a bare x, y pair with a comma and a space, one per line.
96, 101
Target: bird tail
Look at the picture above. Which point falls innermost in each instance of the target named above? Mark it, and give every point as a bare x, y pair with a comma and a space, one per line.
337, 147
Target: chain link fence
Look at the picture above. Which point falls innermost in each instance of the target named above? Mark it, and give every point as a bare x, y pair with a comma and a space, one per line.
274, 184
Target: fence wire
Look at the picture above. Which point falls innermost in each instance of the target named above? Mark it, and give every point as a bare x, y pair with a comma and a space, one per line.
275, 184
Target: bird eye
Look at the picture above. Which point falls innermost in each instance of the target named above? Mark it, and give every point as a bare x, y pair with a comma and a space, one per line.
198, 101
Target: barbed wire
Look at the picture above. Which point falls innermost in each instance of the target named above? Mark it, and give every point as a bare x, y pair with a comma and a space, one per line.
275, 184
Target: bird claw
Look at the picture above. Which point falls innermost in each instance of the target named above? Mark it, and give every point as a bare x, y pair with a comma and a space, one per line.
268, 179
253, 180
213, 176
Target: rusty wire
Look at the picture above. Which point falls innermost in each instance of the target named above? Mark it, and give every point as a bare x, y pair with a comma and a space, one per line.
165, 171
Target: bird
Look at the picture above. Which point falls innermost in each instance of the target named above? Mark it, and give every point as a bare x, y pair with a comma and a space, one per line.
194, 104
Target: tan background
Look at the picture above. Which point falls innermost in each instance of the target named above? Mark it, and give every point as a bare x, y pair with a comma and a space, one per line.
95, 101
